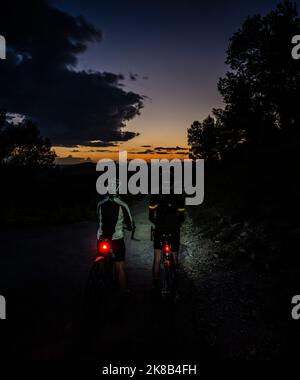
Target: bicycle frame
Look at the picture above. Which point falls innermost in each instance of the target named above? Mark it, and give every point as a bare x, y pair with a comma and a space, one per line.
102, 271
100, 281
168, 262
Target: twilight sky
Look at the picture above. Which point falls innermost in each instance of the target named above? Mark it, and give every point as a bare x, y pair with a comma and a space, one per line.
170, 51
178, 45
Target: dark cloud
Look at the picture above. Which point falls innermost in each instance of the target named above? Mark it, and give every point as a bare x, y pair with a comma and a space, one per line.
101, 150
70, 160
169, 148
150, 151
39, 78
105, 144
147, 151
105, 151
133, 77
75, 151
161, 150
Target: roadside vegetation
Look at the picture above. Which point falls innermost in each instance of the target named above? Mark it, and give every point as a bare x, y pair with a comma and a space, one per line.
251, 145
34, 191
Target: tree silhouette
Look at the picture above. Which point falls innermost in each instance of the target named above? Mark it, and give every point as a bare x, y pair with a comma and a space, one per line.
260, 91
203, 139
213, 138
22, 146
262, 88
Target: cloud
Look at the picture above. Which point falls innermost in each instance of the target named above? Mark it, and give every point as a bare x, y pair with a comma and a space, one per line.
39, 78
105, 150
101, 150
103, 144
70, 160
147, 151
150, 151
175, 148
133, 77
162, 150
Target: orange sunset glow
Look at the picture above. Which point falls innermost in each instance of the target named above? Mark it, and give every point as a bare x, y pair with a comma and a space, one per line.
85, 154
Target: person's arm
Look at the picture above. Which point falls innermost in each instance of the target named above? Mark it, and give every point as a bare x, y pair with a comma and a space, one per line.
181, 210
99, 230
152, 208
128, 220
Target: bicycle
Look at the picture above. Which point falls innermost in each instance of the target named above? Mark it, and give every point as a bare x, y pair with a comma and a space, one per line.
102, 272
169, 265
102, 278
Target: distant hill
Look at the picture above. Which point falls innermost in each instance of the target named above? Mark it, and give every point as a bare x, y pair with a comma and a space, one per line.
85, 168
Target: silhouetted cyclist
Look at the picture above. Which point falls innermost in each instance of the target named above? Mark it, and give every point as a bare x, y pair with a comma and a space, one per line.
166, 213
114, 215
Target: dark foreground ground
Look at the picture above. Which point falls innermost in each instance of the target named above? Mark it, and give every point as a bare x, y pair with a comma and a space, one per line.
227, 309
43, 273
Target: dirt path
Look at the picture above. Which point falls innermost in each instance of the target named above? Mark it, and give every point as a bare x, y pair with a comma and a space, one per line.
242, 310
145, 327
43, 273
227, 308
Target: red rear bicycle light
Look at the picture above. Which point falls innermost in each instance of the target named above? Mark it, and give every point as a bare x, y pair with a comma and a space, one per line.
167, 248
104, 247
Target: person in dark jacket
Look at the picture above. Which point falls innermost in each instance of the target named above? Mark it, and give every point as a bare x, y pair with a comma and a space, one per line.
166, 214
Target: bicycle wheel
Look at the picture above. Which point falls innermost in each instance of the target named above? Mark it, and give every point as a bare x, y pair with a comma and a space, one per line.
99, 281
169, 284
94, 310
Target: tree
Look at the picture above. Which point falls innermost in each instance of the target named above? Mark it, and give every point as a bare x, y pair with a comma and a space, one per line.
22, 146
213, 138
262, 89
203, 139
